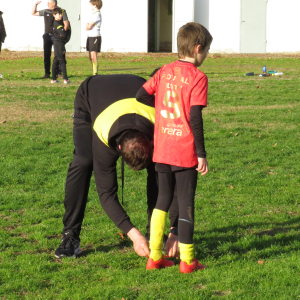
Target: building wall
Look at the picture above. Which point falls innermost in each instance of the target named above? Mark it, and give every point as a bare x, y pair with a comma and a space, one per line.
124, 25
201, 14
283, 26
24, 31
125, 30
222, 21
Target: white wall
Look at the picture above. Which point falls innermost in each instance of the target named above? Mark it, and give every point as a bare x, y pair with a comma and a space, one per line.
85, 13
124, 25
17, 14
224, 25
202, 12
183, 12
283, 26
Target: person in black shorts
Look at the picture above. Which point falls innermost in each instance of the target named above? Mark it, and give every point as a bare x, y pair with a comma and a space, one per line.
93, 43
48, 36
109, 123
61, 37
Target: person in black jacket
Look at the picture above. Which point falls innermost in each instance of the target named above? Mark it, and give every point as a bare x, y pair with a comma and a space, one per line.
61, 37
2, 30
2, 34
109, 123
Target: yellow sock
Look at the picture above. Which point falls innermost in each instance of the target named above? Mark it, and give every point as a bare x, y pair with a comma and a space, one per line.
95, 67
157, 229
186, 252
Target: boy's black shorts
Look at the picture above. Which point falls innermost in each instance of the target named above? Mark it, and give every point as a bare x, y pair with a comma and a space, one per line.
93, 44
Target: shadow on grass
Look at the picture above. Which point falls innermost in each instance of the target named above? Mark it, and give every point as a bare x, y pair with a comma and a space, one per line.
220, 73
123, 246
120, 69
240, 240
70, 76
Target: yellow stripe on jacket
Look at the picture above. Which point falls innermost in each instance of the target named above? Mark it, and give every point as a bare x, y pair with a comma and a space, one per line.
105, 120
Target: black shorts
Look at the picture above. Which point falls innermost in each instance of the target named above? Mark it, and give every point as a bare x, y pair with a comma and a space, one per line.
93, 44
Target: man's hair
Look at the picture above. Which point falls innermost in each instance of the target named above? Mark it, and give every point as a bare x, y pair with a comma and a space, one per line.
136, 149
98, 3
57, 10
55, 1
189, 36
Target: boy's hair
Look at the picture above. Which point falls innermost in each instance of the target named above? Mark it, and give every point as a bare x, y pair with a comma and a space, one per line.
98, 3
136, 149
191, 35
57, 10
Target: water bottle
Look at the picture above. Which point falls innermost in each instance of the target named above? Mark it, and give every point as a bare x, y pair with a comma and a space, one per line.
264, 69
277, 74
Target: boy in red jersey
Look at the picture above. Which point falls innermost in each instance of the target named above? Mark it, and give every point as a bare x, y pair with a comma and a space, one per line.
180, 94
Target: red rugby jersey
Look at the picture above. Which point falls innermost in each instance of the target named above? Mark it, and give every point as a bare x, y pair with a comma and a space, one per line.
177, 87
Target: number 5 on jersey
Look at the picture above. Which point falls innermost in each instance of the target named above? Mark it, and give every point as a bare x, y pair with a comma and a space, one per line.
175, 105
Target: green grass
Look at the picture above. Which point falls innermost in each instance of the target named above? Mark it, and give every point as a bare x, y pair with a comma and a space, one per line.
247, 207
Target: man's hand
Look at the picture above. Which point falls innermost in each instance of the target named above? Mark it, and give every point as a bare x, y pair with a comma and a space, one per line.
140, 244
172, 246
202, 166
37, 2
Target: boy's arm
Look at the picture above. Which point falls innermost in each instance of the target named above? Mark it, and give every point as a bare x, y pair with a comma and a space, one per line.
89, 26
144, 97
196, 123
60, 31
146, 93
95, 19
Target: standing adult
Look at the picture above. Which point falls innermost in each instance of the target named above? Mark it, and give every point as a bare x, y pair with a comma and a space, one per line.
48, 36
2, 30
2, 34
109, 123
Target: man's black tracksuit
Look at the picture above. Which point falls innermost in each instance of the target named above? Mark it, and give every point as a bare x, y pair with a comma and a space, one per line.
104, 109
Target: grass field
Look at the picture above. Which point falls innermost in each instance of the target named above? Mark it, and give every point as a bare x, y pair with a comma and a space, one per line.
247, 207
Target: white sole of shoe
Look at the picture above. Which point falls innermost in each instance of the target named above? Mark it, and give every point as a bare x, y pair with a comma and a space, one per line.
77, 251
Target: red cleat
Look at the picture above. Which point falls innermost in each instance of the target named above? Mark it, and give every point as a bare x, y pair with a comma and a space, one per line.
194, 266
162, 263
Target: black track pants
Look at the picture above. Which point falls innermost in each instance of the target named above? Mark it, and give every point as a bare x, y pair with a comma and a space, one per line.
186, 181
48, 42
79, 175
59, 59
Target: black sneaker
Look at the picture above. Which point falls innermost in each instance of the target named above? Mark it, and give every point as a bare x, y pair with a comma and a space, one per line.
70, 247
46, 76
165, 238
